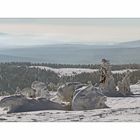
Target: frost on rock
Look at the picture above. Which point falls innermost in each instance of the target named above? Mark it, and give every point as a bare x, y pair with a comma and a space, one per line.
19, 103
106, 78
107, 84
66, 91
88, 98
124, 86
37, 90
28, 93
40, 89
81, 96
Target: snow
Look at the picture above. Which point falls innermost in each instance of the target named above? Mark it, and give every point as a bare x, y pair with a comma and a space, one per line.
123, 71
74, 71
120, 109
66, 71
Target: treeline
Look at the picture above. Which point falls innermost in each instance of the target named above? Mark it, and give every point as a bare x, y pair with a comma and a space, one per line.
13, 75
89, 66
95, 77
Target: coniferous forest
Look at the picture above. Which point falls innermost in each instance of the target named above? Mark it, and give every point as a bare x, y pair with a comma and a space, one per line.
13, 75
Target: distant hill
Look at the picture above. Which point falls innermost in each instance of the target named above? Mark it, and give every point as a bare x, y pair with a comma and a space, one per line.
121, 53
8, 58
135, 43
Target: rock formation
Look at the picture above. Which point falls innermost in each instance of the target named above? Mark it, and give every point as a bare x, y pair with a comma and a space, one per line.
18, 90
40, 89
106, 78
66, 91
124, 86
88, 98
37, 90
138, 82
28, 93
19, 103
107, 84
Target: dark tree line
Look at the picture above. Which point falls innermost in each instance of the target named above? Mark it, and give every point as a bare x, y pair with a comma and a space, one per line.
13, 75
90, 66
95, 76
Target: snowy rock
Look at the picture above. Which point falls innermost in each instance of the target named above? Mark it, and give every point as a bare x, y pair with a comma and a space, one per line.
11, 103
28, 93
138, 83
106, 78
18, 90
107, 84
40, 89
124, 86
37, 90
20, 103
37, 85
89, 98
66, 91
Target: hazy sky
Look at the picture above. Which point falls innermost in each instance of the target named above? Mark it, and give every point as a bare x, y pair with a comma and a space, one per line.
21, 32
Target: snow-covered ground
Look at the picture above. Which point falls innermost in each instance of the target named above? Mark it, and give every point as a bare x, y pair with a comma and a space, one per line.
120, 109
66, 71
74, 71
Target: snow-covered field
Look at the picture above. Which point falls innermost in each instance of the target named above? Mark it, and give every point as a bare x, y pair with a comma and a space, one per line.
120, 109
66, 71
74, 71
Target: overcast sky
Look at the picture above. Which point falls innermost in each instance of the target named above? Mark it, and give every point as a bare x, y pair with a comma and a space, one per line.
22, 32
